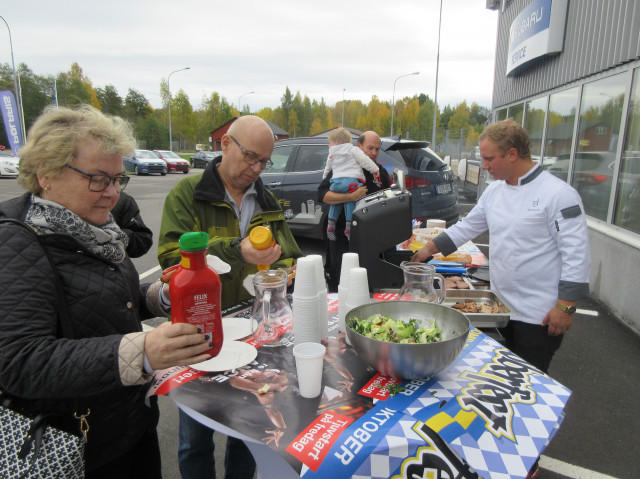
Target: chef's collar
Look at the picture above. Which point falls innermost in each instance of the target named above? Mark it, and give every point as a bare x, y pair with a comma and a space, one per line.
531, 175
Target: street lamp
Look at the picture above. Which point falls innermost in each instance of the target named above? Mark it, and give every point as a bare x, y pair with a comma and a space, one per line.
169, 90
435, 99
15, 83
393, 99
239, 98
343, 106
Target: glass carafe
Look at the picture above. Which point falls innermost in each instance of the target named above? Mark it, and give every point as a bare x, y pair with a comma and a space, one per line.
418, 283
271, 315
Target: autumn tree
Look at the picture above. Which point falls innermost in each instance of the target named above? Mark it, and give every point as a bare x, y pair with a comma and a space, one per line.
75, 89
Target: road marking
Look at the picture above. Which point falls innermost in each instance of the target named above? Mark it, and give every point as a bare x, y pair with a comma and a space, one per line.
587, 312
149, 272
569, 470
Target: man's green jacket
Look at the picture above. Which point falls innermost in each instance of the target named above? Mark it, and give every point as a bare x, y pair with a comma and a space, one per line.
197, 203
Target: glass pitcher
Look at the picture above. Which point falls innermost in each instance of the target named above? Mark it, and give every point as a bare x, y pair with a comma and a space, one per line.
418, 283
272, 317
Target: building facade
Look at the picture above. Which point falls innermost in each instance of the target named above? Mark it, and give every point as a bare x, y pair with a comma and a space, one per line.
569, 72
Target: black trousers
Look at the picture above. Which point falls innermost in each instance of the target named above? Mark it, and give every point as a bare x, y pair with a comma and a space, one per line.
140, 462
333, 261
532, 343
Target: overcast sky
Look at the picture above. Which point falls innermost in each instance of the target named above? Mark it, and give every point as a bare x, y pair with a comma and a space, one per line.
317, 48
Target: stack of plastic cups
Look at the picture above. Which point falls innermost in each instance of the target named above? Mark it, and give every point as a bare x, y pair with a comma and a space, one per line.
358, 289
305, 303
349, 260
323, 310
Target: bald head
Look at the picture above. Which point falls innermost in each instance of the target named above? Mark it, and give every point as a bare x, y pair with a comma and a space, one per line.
253, 126
370, 143
248, 137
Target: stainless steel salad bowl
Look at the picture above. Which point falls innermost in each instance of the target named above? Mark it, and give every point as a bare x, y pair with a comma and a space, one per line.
410, 361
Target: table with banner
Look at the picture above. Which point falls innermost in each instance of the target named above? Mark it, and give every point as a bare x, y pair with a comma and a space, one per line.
489, 414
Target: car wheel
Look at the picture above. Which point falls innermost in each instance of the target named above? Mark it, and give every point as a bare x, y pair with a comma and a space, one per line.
164, 173
186, 171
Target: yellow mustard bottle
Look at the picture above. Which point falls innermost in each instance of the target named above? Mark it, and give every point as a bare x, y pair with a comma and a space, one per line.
261, 238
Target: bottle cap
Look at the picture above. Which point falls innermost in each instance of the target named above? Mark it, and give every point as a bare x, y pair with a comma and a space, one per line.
194, 241
261, 237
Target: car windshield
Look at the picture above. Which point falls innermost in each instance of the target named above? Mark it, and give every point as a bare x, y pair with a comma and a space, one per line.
146, 154
210, 154
170, 154
422, 159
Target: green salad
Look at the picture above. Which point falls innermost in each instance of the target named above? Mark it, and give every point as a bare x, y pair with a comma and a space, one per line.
384, 328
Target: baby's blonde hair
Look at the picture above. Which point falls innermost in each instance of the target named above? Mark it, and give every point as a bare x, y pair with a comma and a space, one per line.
339, 136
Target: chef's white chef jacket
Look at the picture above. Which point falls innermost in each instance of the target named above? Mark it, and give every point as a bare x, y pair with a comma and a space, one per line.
538, 242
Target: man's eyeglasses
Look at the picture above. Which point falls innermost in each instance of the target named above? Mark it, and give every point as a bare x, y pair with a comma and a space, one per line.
252, 158
99, 183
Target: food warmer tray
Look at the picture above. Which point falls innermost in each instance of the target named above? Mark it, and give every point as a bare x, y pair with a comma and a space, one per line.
481, 320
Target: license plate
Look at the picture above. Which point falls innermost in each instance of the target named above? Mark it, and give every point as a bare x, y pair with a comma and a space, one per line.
444, 188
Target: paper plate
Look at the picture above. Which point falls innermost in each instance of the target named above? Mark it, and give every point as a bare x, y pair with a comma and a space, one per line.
237, 328
233, 355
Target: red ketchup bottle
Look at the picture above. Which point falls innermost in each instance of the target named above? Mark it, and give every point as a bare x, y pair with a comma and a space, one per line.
195, 290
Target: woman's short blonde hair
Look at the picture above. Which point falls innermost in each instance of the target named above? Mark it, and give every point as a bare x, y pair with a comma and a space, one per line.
54, 139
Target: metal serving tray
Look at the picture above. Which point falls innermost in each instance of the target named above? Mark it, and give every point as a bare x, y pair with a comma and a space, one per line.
481, 320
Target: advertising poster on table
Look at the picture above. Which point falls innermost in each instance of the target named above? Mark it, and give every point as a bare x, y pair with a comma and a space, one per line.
489, 414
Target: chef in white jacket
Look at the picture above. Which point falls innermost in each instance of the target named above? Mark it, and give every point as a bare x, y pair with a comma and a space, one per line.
540, 259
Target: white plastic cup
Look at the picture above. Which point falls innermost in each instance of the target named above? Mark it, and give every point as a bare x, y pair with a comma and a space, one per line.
323, 309
309, 364
358, 285
306, 327
305, 285
349, 260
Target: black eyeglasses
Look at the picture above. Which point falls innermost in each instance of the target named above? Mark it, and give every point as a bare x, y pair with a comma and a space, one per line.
99, 183
252, 158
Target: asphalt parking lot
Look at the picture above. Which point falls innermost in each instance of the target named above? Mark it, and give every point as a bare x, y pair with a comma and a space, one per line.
598, 361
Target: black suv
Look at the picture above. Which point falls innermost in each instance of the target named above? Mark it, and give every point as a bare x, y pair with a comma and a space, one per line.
297, 169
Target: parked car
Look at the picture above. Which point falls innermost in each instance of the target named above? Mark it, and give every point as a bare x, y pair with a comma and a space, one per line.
297, 169
202, 158
591, 176
175, 162
9, 165
145, 162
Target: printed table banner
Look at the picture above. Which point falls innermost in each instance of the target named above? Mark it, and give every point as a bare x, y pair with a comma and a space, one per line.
489, 414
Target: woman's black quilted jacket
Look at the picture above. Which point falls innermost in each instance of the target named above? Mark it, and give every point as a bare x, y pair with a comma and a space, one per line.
62, 376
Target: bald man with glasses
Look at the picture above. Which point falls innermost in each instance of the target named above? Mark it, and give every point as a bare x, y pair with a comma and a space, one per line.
227, 201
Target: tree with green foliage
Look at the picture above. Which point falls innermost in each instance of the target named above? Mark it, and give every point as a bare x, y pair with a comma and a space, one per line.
110, 101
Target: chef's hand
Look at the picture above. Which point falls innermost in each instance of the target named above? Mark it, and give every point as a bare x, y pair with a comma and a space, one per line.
425, 252
559, 322
252, 255
178, 344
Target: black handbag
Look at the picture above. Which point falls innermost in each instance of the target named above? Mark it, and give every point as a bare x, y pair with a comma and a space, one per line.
31, 447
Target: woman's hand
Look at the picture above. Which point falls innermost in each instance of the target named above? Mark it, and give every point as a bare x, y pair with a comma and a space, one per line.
178, 344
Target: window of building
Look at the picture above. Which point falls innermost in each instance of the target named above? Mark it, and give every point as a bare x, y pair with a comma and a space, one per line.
562, 116
592, 173
516, 112
627, 210
501, 115
534, 124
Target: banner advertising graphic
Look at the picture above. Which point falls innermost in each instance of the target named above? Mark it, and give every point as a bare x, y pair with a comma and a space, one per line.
489, 414
11, 120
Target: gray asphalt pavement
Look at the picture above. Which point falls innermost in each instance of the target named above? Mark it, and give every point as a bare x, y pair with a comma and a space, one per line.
598, 361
